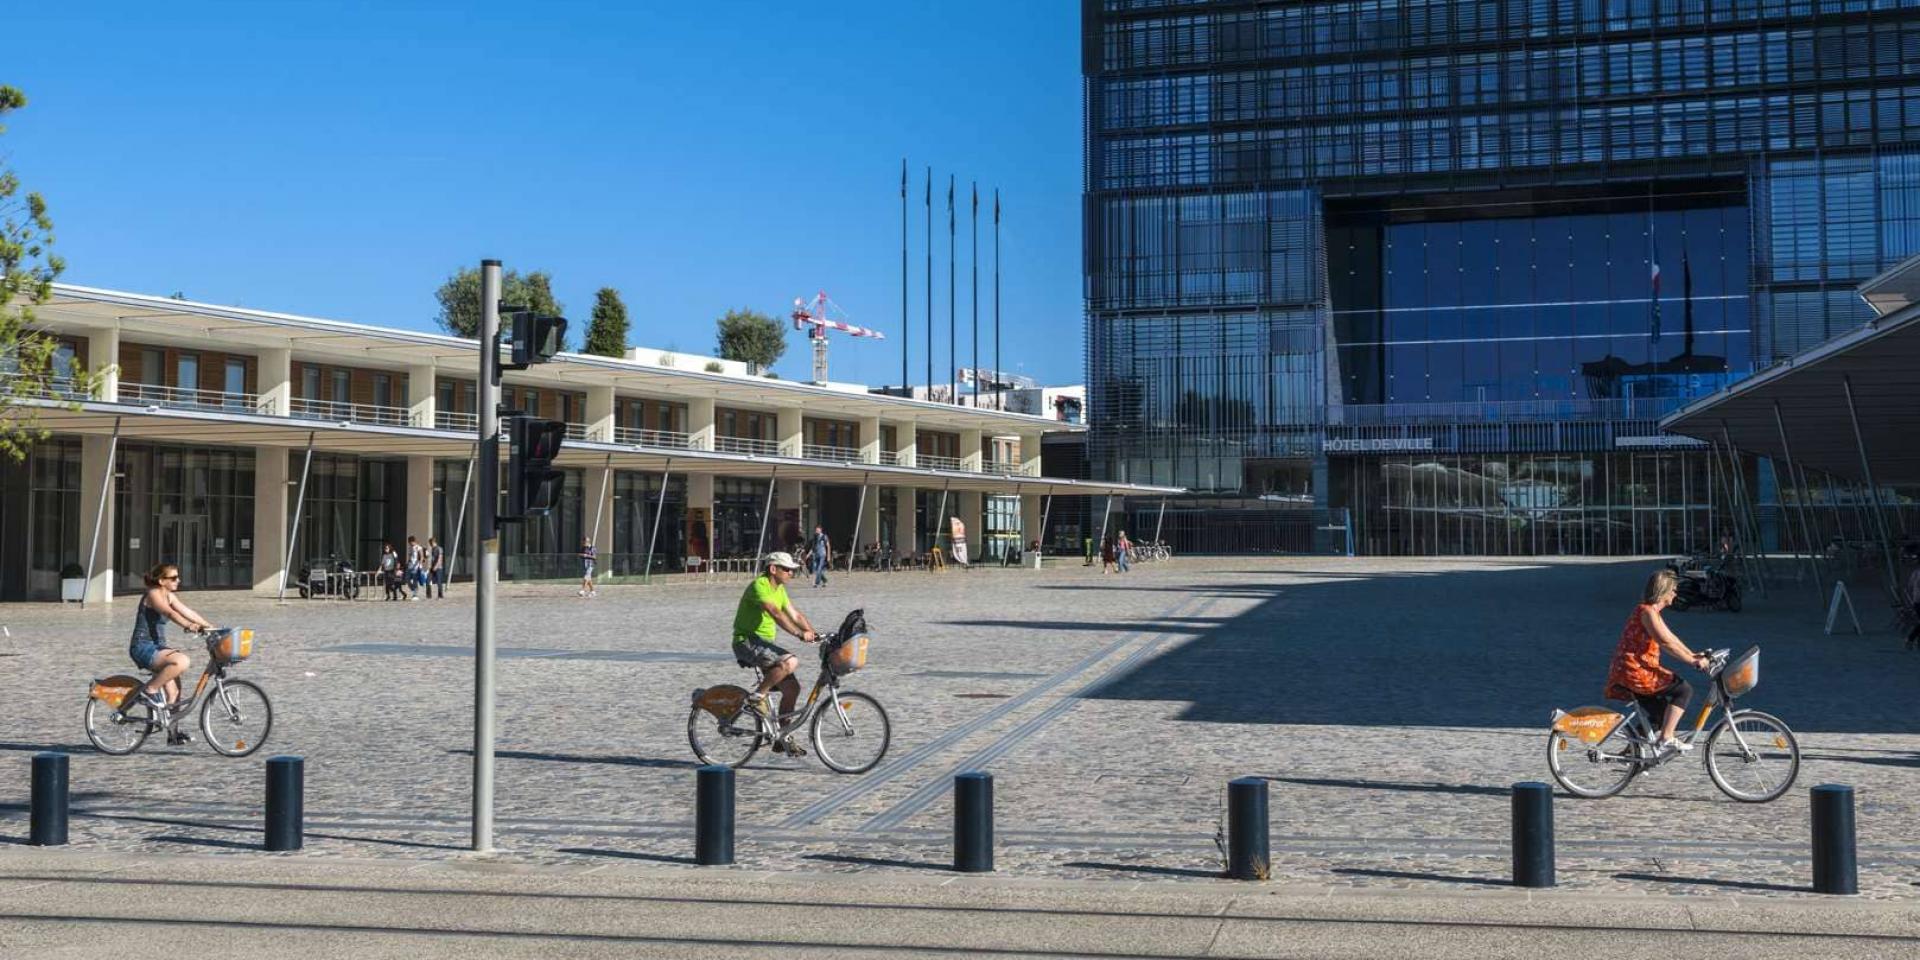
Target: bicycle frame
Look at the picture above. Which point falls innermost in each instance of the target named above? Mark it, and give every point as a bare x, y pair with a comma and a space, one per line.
769, 728
1644, 730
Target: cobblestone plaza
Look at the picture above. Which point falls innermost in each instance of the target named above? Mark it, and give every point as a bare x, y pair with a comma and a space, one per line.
1389, 702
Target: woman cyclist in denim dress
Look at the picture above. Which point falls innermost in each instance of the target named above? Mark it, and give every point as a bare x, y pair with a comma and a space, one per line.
149, 648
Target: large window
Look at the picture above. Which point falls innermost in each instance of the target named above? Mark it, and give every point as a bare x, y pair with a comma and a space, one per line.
187, 506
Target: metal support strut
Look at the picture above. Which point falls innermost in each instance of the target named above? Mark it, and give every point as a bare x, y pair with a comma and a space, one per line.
100, 515
666, 473
299, 504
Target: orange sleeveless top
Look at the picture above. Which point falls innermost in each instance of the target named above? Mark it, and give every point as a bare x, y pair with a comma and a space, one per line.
1636, 665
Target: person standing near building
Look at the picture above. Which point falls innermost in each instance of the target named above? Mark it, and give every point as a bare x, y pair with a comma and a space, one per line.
436, 568
416, 565
586, 568
1121, 549
822, 550
390, 571
1106, 555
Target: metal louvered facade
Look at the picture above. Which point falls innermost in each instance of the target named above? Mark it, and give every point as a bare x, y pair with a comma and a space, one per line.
1322, 236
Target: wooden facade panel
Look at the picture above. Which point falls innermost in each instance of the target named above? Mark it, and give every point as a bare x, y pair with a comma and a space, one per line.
210, 369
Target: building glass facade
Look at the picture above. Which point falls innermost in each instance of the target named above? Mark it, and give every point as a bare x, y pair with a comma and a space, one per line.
1334, 249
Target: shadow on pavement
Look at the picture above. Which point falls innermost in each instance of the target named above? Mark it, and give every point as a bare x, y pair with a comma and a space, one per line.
628, 855
877, 861
1494, 646
1705, 882
1147, 868
1464, 788
618, 761
1410, 875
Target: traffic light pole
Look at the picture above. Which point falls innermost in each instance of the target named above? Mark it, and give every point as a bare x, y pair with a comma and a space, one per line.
487, 551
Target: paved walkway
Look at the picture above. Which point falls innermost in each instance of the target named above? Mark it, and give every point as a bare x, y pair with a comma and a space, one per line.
1389, 702
67, 905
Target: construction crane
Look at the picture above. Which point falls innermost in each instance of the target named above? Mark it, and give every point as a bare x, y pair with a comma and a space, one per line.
817, 318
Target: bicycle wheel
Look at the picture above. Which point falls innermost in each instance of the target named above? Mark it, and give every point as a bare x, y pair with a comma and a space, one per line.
236, 718
1593, 770
853, 738
118, 733
731, 742
1764, 768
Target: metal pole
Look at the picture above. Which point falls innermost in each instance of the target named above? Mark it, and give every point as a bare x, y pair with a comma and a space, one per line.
940, 519
1045, 513
487, 547
460, 522
1161, 520
286, 808
100, 515
854, 547
906, 330
1532, 804
1800, 496
1104, 517
1749, 519
1249, 854
659, 507
973, 822
1835, 866
299, 504
766, 512
1873, 491
606, 493
975, 296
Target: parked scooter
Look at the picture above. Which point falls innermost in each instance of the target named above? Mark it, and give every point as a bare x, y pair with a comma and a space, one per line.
1704, 583
315, 580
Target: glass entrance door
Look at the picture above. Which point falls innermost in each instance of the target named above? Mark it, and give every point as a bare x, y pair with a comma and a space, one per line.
183, 542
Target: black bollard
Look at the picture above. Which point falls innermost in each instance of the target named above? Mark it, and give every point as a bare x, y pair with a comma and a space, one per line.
1247, 850
973, 822
713, 816
1532, 834
1834, 867
49, 818
286, 803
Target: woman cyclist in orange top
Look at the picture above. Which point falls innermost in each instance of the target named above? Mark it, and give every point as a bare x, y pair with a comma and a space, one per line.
1636, 673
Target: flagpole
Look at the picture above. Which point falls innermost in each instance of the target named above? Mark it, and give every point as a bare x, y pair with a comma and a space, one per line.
999, 394
953, 351
929, 282
905, 332
976, 293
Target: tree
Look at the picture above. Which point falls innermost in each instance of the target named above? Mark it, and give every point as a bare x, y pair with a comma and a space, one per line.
607, 333
751, 337
459, 298
29, 359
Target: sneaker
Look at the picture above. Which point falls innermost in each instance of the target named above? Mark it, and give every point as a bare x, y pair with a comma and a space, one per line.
758, 704
592, 593
1674, 747
579, 593
154, 698
179, 738
787, 746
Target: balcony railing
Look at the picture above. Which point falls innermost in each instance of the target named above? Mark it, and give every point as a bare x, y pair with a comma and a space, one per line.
455, 421
652, 438
891, 459
747, 445
817, 451
928, 461
350, 412
576, 431
159, 395
54, 388
1009, 468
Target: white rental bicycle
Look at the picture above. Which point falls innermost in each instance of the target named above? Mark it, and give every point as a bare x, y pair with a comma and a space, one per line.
850, 731
1751, 756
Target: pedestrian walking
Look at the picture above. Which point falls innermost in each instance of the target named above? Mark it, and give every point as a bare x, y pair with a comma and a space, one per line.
822, 550
586, 568
436, 568
1122, 548
416, 566
1087, 543
390, 571
1106, 555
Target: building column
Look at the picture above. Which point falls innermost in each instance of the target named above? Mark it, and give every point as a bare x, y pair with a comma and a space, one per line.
1030, 455
272, 504
274, 383
600, 416
420, 502
421, 381
906, 440
968, 506
103, 358
700, 510
869, 519
700, 430
1031, 505
906, 529
972, 458
870, 441
788, 432
94, 510
788, 495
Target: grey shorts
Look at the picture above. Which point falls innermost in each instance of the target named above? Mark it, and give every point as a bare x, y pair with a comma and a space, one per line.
755, 652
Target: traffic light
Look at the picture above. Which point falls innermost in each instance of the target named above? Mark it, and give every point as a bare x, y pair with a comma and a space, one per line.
533, 485
536, 338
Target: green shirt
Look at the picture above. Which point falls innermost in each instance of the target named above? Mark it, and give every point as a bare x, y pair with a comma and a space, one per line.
752, 619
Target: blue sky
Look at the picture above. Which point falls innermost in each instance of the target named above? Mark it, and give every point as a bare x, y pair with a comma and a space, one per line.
340, 160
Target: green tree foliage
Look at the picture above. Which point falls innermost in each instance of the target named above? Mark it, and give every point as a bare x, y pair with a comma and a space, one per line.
29, 366
607, 333
459, 298
751, 337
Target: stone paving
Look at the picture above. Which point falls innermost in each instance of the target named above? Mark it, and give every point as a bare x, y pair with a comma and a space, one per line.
1390, 702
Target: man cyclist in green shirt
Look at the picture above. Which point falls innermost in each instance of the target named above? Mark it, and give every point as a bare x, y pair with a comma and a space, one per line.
764, 606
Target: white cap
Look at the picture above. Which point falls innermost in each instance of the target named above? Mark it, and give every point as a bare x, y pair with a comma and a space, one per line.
780, 558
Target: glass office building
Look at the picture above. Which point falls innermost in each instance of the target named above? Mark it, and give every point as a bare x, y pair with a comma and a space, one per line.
1431, 270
